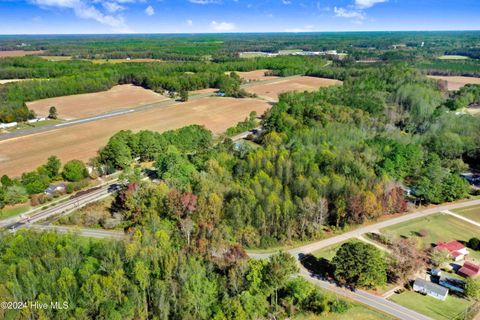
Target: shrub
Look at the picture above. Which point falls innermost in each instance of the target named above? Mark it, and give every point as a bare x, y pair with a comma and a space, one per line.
474, 243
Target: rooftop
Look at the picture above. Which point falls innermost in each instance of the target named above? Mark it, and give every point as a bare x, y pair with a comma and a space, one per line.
430, 286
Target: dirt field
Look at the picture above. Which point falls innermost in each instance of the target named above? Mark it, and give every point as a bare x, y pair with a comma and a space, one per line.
89, 104
455, 83
82, 141
271, 90
256, 75
17, 53
203, 91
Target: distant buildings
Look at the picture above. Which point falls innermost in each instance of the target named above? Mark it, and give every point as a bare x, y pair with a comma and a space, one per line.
331, 53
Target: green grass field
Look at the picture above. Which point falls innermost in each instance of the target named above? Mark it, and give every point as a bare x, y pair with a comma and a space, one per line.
429, 306
439, 227
13, 211
357, 312
452, 57
472, 213
328, 252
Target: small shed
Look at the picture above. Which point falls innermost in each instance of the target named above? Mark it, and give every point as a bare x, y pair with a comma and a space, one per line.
61, 187
469, 269
431, 289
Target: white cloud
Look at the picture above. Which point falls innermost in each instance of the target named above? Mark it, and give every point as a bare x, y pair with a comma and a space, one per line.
286, 1
364, 4
189, 22
222, 26
149, 11
86, 10
350, 14
112, 6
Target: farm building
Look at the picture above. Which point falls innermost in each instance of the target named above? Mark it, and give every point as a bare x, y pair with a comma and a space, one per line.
55, 188
457, 251
431, 289
469, 269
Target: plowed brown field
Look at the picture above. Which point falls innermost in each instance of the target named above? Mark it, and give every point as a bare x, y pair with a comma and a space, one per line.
17, 53
82, 141
273, 89
90, 104
455, 83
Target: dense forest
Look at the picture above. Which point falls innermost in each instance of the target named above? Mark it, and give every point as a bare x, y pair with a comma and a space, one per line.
360, 45
324, 161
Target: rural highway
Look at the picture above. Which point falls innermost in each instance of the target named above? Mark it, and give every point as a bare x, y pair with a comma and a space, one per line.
361, 296
309, 248
83, 232
61, 208
376, 302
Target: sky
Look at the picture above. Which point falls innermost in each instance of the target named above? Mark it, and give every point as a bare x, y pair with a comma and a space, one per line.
221, 16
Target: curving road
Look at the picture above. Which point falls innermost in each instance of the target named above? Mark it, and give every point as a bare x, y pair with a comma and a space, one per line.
361, 296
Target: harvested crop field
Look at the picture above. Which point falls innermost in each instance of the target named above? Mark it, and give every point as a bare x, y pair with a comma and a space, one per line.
82, 141
273, 89
455, 83
17, 53
89, 104
203, 91
256, 75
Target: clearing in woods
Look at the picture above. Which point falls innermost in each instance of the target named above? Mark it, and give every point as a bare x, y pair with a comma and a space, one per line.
90, 104
272, 90
456, 82
256, 75
18, 155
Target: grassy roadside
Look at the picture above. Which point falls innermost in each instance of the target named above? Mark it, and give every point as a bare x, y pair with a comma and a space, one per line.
429, 306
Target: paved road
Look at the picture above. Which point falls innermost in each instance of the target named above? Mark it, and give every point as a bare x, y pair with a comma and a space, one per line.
61, 208
83, 232
369, 299
309, 248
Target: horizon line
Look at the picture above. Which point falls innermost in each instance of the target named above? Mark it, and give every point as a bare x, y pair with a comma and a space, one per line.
233, 33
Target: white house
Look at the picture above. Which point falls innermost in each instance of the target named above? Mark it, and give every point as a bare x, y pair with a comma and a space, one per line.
431, 289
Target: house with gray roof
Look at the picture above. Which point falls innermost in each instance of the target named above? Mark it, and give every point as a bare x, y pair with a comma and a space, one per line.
430, 288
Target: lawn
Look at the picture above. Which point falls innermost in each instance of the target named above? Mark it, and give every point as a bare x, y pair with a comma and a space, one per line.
13, 211
439, 227
357, 312
430, 306
453, 57
472, 213
328, 252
